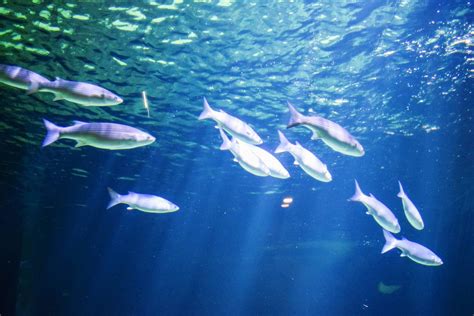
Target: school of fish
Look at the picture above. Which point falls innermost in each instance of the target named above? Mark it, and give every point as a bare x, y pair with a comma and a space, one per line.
237, 136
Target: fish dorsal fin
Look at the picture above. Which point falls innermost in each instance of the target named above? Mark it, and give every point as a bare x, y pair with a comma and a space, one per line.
296, 163
129, 208
80, 144
57, 97
403, 238
130, 192
79, 122
403, 254
58, 79
371, 195
298, 144
235, 160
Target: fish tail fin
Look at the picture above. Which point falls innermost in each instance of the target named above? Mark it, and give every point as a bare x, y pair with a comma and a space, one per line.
226, 143
390, 241
295, 118
114, 198
358, 193
284, 144
401, 193
207, 112
53, 133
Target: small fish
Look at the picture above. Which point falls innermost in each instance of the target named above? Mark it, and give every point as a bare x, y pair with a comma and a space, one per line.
381, 213
100, 135
274, 165
82, 93
416, 252
142, 202
244, 156
145, 103
21, 78
305, 159
387, 289
234, 126
411, 212
331, 133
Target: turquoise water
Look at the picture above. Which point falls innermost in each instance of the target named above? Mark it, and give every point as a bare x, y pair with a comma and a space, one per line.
397, 74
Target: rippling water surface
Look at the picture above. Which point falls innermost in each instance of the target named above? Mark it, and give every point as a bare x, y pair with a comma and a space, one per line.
397, 74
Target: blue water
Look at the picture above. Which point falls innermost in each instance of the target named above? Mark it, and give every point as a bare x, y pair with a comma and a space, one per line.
397, 74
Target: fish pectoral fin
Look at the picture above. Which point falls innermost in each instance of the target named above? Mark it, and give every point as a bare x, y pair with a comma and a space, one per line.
296, 163
129, 208
80, 144
32, 88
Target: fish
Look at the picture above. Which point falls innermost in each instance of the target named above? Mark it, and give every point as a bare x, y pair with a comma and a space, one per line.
381, 213
387, 289
274, 165
232, 125
246, 158
21, 78
416, 252
145, 103
142, 202
305, 159
331, 133
411, 212
83, 93
110, 136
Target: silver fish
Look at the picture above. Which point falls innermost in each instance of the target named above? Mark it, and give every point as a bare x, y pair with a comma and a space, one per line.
100, 135
411, 212
416, 252
21, 78
246, 158
142, 202
274, 165
82, 93
381, 213
305, 159
331, 133
234, 126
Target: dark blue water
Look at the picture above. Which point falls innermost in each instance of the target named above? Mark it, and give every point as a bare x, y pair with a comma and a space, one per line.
397, 74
